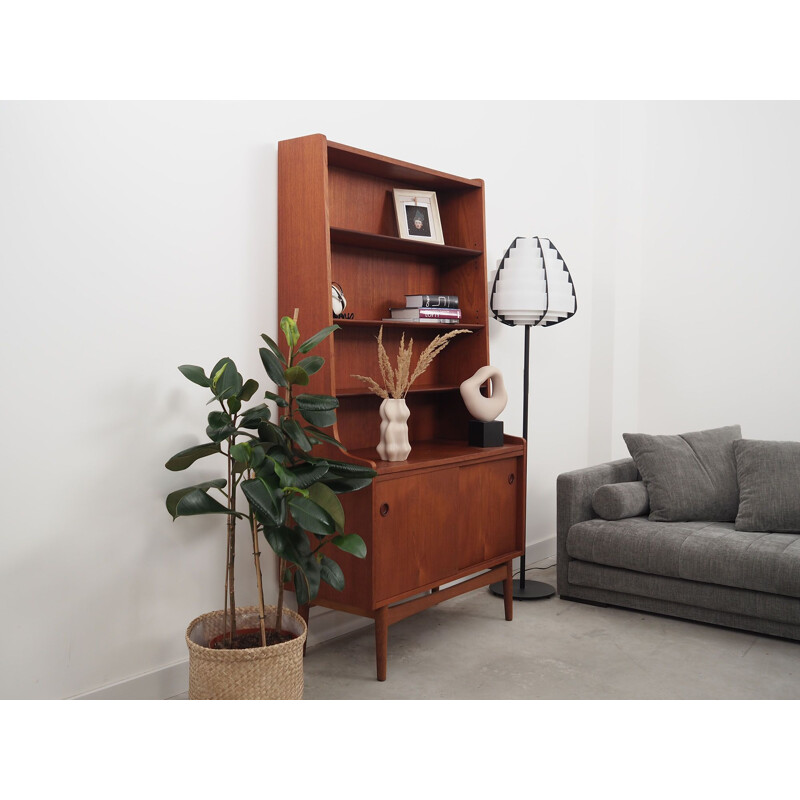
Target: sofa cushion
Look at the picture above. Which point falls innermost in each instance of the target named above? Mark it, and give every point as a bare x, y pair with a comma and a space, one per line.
689, 477
708, 552
621, 500
769, 485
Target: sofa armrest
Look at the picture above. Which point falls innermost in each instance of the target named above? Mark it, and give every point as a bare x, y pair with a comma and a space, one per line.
574, 492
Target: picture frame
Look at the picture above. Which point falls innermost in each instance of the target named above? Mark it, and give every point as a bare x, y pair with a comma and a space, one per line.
418, 215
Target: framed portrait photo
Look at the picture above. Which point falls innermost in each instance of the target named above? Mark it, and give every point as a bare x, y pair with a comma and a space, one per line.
418, 215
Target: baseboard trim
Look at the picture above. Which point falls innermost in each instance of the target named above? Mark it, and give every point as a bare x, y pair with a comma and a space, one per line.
334, 624
326, 624
540, 551
160, 684
173, 680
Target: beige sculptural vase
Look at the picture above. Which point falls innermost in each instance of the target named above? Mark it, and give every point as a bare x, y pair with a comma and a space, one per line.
394, 444
483, 408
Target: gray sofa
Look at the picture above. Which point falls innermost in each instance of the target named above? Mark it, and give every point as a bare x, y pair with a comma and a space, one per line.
705, 571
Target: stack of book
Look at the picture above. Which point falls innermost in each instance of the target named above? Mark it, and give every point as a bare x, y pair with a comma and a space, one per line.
439, 308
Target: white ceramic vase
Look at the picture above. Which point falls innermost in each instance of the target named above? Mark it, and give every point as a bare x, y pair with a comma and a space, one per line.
394, 445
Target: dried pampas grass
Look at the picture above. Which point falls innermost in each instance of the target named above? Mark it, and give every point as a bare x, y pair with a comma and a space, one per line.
397, 381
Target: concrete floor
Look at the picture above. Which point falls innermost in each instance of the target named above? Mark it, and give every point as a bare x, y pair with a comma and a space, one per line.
554, 649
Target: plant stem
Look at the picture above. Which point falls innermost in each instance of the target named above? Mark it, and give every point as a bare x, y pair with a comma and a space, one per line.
257, 559
227, 576
231, 539
279, 612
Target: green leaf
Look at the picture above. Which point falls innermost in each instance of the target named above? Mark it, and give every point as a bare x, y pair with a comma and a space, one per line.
266, 469
296, 376
345, 485
248, 390
277, 399
311, 343
242, 452
255, 416
293, 545
174, 497
187, 457
344, 477
273, 367
325, 498
290, 332
227, 382
307, 579
312, 364
198, 502
308, 474
217, 375
234, 404
258, 457
195, 375
320, 419
270, 433
263, 499
220, 426
351, 543
274, 347
317, 436
302, 588
317, 402
346, 469
296, 434
310, 516
285, 475
289, 543
331, 573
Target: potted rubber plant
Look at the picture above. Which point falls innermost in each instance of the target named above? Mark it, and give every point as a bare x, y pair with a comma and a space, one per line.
277, 486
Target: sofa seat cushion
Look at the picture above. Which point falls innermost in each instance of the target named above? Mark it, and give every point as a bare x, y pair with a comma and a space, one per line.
707, 552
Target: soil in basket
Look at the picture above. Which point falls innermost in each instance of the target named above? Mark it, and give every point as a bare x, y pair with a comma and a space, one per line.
250, 637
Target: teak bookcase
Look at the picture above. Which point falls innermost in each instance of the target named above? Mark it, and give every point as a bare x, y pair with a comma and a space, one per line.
452, 517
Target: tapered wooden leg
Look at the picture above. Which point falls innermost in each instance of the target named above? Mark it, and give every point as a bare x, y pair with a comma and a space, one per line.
381, 641
508, 593
303, 611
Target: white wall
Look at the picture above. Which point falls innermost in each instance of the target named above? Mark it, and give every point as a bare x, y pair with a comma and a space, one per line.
720, 271
137, 237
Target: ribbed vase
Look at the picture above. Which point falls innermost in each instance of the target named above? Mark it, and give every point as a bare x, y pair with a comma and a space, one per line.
394, 445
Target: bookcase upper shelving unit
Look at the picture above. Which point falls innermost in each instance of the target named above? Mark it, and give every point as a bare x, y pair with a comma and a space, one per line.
450, 510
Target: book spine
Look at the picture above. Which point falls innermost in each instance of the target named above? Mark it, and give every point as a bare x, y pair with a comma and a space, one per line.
426, 313
432, 301
436, 313
441, 320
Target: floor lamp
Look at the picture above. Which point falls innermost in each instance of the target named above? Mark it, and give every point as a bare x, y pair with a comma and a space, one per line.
532, 286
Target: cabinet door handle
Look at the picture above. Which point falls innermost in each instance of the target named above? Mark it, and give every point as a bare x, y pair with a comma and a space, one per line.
511, 478
384, 509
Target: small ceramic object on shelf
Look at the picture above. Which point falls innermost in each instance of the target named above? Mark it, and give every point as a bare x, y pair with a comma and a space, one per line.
484, 429
394, 444
483, 408
338, 300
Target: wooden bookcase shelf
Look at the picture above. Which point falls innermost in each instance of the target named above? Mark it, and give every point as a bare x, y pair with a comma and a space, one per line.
450, 512
376, 323
393, 244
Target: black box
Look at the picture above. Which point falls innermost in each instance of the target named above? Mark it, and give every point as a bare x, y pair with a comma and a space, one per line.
485, 434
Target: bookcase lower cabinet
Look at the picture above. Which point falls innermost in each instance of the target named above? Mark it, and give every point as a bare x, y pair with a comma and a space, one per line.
434, 529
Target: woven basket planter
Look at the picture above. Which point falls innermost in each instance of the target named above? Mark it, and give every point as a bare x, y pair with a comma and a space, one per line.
256, 673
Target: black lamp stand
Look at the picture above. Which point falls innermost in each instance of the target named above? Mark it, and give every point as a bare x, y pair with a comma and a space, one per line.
522, 589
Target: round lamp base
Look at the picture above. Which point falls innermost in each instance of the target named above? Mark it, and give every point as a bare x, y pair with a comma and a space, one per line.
532, 590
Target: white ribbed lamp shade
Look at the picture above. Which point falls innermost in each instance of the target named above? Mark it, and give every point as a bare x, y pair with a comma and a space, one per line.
532, 285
